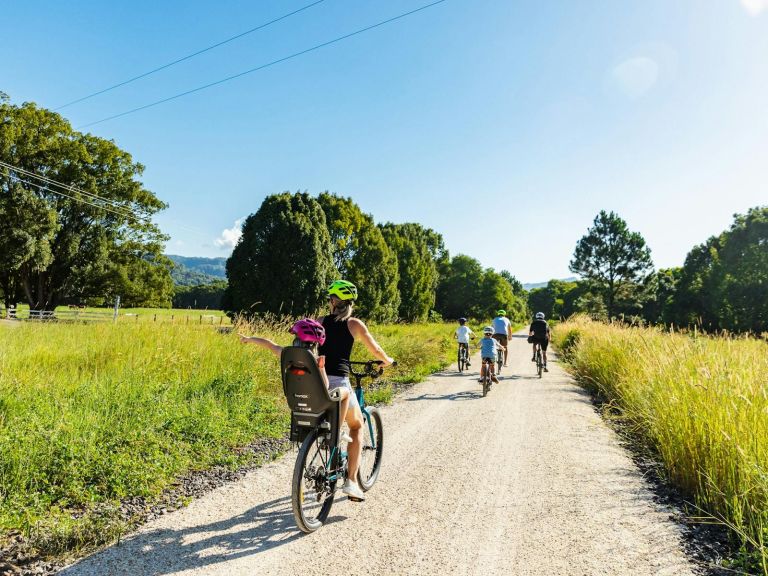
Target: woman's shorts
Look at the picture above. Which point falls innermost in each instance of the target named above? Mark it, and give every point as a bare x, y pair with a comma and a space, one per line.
343, 382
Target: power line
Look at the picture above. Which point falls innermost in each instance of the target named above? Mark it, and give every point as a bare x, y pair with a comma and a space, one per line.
263, 66
188, 56
114, 203
43, 188
115, 208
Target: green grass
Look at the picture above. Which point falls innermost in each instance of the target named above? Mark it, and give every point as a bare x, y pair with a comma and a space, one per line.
91, 414
701, 403
125, 315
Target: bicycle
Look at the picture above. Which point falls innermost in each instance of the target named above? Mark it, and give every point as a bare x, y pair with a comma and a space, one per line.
321, 461
463, 356
499, 360
486, 376
539, 360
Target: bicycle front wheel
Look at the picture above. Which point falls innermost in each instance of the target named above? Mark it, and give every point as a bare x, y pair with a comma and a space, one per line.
373, 450
311, 490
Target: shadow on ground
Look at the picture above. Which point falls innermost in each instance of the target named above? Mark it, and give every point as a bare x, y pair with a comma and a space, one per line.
167, 551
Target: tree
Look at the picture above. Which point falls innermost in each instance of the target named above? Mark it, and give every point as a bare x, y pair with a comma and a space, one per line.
361, 256
206, 296
57, 243
661, 290
610, 256
458, 292
282, 262
724, 282
517, 286
416, 248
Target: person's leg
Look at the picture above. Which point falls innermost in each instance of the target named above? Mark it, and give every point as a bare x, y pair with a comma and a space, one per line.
355, 448
533, 358
343, 407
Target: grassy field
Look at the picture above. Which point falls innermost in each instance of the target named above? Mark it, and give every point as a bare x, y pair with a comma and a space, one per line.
700, 403
91, 414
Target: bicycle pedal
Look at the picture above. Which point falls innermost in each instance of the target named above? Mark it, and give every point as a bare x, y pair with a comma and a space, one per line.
353, 499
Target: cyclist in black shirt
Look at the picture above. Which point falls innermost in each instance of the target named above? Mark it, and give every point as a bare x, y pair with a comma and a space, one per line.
539, 334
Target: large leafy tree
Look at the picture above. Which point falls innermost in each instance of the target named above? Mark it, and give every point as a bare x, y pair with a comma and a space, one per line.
361, 256
282, 262
611, 256
58, 244
724, 282
418, 250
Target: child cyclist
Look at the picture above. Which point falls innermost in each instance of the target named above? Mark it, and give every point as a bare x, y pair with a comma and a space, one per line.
463, 334
489, 348
309, 334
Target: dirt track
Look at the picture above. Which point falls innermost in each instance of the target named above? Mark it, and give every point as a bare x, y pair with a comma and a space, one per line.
526, 481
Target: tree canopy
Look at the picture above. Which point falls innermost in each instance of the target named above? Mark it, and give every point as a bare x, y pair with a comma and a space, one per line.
611, 256
90, 239
283, 260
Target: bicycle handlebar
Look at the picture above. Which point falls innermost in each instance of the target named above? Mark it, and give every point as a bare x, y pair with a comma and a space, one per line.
373, 368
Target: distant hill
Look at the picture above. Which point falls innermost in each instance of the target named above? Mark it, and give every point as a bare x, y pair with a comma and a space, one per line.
193, 270
533, 285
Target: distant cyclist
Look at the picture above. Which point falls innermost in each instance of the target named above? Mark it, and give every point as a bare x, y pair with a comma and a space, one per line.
489, 348
502, 330
539, 333
463, 334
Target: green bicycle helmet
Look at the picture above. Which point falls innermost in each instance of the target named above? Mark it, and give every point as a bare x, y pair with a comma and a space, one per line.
501, 313
343, 290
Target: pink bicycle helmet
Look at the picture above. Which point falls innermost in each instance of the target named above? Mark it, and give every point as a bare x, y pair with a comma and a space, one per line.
309, 331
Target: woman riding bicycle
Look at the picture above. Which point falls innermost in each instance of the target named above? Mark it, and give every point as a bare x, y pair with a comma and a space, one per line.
341, 331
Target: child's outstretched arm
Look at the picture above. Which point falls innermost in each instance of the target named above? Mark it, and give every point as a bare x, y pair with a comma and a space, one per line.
263, 342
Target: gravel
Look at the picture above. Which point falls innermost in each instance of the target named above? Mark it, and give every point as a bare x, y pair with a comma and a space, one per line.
529, 480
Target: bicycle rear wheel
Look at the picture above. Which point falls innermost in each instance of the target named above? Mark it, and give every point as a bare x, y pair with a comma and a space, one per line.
373, 450
499, 361
311, 490
460, 360
539, 362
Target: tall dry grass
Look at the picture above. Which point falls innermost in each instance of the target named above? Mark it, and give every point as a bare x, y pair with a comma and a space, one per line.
700, 402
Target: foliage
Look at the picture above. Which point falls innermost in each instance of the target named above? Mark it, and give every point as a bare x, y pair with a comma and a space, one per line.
206, 296
282, 263
361, 256
58, 248
95, 413
698, 402
611, 256
418, 251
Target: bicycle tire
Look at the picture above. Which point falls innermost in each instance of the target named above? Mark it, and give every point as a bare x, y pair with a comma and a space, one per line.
307, 522
539, 363
499, 361
460, 360
367, 474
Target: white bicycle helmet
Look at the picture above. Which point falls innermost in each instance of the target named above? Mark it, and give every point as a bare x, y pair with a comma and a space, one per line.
539, 315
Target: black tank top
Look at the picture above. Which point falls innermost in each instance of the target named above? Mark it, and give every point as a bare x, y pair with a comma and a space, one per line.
337, 347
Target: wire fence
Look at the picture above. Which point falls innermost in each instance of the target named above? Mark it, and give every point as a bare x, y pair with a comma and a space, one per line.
81, 315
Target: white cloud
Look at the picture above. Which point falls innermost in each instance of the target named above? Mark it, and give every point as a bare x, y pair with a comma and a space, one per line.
754, 7
229, 236
635, 77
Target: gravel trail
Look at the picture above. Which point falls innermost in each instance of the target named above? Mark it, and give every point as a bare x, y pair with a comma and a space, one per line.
526, 481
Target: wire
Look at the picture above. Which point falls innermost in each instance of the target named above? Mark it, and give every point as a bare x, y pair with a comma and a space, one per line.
114, 203
188, 56
263, 66
42, 188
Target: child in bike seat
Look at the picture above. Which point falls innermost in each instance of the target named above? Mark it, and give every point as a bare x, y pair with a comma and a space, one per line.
489, 348
308, 334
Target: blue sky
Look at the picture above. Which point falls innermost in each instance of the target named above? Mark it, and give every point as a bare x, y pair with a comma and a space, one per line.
505, 125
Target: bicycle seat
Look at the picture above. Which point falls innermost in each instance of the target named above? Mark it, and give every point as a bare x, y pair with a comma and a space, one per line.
304, 389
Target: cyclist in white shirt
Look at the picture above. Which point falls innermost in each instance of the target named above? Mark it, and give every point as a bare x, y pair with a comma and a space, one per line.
463, 334
502, 331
